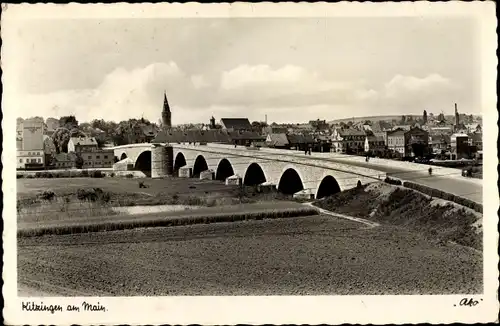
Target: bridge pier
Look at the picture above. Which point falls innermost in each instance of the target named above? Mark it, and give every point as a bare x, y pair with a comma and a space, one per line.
162, 161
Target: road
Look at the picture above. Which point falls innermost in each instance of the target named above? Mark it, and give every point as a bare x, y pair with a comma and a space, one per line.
452, 183
461, 187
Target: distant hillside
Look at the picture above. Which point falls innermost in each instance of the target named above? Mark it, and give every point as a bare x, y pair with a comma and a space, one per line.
374, 118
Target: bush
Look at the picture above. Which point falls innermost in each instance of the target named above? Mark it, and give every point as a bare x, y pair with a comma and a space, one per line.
392, 181
97, 174
47, 195
112, 175
85, 173
95, 194
129, 176
19, 176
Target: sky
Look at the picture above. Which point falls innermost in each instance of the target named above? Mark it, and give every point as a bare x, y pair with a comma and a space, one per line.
290, 69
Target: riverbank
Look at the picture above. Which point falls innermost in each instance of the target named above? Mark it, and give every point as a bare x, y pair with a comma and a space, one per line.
436, 218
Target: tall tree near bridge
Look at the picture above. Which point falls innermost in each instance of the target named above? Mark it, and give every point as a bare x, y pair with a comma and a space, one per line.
61, 137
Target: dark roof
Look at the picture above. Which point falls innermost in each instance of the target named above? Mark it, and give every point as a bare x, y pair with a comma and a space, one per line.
375, 138
245, 135
278, 139
205, 136
300, 139
201, 136
236, 123
351, 132
396, 132
476, 137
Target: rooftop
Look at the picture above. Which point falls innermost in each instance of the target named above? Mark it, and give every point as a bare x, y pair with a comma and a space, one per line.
236, 123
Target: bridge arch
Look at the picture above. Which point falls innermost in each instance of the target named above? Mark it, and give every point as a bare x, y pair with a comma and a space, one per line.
254, 175
224, 170
290, 182
200, 165
124, 156
327, 187
143, 163
179, 162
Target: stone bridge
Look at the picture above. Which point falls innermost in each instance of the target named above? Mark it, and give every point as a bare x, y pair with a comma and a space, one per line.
288, 173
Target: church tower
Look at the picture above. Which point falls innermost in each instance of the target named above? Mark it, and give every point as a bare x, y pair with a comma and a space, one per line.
166, 115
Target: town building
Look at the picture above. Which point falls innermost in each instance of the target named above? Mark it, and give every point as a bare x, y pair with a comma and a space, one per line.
49, 149
64, 161
29, 144
319, 125
277, 140
350, 140
274, 130
374, 144
92, 155
322, 143
413, 142
396, 141
103, 158
440, 143
476, 140
460, 146
300, 142
245, 138
82, 144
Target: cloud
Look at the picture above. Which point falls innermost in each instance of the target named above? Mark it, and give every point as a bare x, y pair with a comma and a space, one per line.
199, 82
404, 85
284, 93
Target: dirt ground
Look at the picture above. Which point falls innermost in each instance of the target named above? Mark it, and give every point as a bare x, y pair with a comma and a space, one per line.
320, 255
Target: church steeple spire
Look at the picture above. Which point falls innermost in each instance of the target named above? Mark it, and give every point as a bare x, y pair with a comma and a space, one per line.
166, 107
166, 114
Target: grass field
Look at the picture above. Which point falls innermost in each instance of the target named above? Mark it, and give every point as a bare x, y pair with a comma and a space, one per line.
316, 255
118, 192
29, 187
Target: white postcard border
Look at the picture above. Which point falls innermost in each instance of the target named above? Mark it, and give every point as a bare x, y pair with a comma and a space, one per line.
258, 310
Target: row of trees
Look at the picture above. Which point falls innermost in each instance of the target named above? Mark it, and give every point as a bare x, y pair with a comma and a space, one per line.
124, 132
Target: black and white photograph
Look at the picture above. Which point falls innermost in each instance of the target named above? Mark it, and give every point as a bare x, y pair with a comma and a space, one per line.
199, 160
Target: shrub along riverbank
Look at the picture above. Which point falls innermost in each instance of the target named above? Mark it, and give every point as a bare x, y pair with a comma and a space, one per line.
160, 221
399, 206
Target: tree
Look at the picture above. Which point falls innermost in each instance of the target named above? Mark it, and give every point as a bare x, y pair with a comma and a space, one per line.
79, 161
425, 117
61, 137
68, 122
75, 132
403, 119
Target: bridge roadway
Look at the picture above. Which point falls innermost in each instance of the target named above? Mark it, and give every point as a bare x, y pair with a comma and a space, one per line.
445, 179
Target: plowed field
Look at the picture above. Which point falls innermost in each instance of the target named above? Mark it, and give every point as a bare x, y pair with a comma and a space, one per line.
296, 256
